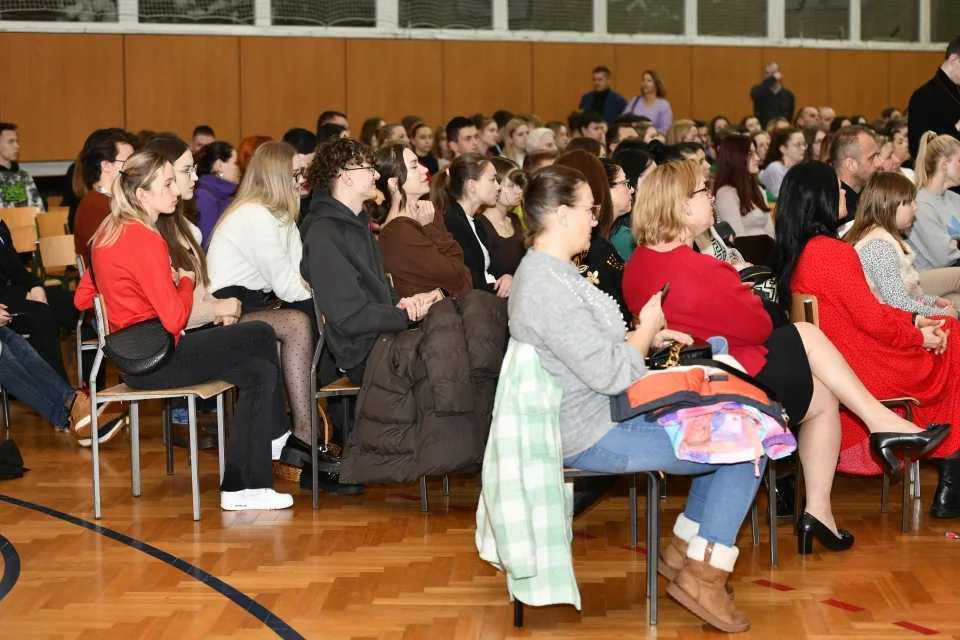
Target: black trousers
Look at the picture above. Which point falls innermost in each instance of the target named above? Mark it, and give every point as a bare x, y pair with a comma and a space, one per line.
244, 355
42, 322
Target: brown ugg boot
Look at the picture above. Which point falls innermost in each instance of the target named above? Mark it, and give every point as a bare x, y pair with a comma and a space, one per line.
674, 555
699, 586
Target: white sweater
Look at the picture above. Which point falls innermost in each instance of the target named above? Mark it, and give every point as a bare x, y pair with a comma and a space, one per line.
251, 249
756, 223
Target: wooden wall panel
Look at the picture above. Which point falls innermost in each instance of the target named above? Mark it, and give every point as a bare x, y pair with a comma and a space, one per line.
395, 78
58, 88
486, 76
721, 81
288, 82
906, 71
857, 82
562, 74
672, 63
175, 83
804, 73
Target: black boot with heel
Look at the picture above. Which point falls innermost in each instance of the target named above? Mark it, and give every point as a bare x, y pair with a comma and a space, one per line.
946, 500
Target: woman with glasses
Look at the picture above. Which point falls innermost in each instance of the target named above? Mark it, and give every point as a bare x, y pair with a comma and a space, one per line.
788, 148
740, 201
803, 368
254, 256
219, 175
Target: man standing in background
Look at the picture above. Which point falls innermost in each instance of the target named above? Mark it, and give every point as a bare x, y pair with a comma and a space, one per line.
604, 100
936, 105
17, 188
770, 98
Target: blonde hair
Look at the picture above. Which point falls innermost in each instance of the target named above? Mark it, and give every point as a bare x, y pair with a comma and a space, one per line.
658, 215
932, 149
138, 172
678, 131
268, 182
881, 197
508, 130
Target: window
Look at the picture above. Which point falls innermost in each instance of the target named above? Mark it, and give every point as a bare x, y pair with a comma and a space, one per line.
550, 15
828, 20
890, 20
196, 11
645, 16
446, 14
59, 10
324, 13
732, 18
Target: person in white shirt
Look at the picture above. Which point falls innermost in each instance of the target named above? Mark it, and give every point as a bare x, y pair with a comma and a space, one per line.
787, 149
739, 199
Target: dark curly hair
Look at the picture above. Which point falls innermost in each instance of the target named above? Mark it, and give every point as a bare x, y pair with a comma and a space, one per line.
332, 158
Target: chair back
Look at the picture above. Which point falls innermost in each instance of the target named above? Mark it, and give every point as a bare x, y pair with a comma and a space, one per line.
24, 238
57, 251
103, 323
20, 216
804, 308
54, 201
80, 268
320, 321
54, 222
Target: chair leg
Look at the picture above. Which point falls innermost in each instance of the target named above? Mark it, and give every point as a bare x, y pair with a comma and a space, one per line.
6, 409
135, 449
633, 510
195, 466
95, 450
446, 485
885, 493
907, 506
346, 421
915, 476
772, 499
424, 501
517, 614
314, 450
755, 523
221, 435
167, 418
653, 542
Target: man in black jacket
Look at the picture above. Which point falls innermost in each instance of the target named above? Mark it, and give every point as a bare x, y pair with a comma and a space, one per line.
936, 105
770, 98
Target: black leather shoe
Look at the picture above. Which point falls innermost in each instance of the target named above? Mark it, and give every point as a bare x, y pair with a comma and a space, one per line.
886, 445
180, 437
296, 453
328, 483
809, 528
946, 500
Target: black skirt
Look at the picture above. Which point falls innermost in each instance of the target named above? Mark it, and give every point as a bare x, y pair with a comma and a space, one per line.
788, 374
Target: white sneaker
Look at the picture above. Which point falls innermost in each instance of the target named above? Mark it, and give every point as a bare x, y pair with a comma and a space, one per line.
276, 446
254, 500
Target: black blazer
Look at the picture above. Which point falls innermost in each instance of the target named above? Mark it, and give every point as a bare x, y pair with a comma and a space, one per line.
12, 271
459, 227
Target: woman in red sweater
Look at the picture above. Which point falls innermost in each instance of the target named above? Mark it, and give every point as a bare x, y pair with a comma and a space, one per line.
894, 352
131, 265
797, 361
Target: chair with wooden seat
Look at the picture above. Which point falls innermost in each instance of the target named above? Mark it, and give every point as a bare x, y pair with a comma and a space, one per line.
53, 222
804, 308
20, 216
123, 393
54, 201
57, 253
82, 345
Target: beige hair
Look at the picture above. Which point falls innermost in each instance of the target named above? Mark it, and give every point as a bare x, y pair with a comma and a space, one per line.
508, 130
268, 182
138, 172
678, 131
658, 215
932, 149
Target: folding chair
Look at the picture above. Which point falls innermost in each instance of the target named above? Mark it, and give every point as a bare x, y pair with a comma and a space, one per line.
54, 222
123, 393
82, 345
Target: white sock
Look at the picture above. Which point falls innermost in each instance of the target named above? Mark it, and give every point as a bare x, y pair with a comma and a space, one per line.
685, 528
277, 445
722, 556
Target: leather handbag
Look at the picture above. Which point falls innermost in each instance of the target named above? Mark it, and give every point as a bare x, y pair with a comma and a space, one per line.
139, 349
676, 354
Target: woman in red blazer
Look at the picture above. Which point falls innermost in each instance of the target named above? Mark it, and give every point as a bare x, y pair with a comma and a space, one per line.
894, 352
798, 362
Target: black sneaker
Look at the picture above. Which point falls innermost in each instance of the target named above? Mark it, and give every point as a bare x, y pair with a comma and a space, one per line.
328, 483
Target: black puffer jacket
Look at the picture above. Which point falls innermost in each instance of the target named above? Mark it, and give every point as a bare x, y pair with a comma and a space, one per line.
427, 396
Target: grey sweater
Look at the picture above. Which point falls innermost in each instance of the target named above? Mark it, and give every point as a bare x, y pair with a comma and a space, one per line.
935, 224
579, 333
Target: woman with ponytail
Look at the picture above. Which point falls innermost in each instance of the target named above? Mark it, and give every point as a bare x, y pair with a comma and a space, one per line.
936, 228
418, 252
130, 263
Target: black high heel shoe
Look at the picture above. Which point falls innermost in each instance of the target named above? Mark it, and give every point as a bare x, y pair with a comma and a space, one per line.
887, 444
809, 528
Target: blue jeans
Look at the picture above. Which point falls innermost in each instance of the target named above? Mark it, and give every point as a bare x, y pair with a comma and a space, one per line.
720, 496
27, 376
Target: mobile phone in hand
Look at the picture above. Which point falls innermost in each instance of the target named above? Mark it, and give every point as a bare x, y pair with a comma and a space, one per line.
664, 292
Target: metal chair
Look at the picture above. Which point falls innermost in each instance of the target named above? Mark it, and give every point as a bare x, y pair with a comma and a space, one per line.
653, 534
82, 345
123, 393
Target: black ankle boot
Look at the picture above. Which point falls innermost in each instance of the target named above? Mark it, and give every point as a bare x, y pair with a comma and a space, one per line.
946, 501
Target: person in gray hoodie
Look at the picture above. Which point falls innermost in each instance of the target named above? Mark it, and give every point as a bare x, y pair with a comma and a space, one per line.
936, 229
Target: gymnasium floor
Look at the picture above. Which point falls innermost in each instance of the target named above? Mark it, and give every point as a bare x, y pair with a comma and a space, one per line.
374, 566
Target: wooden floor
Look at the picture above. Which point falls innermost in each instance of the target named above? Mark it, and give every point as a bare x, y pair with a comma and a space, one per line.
374, 566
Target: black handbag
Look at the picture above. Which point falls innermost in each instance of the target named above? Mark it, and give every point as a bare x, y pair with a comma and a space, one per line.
139, 349
677, 354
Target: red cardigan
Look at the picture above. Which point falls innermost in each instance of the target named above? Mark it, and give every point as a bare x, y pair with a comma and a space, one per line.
706, 299
133, 276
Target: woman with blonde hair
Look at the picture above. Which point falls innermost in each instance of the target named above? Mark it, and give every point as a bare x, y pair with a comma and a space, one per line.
254, 256
130, 268
886, 209
936, 229
515, 140
797, 361
683, 131
390, 133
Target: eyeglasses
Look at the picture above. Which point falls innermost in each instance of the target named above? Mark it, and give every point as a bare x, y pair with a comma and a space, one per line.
372, 169
704, 190
594, 211
625, 183
189, 170
298, 174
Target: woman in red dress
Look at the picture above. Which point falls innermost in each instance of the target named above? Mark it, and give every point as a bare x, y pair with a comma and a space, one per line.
893, 352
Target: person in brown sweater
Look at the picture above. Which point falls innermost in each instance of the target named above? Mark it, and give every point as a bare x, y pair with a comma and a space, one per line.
418, 252
102, 157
